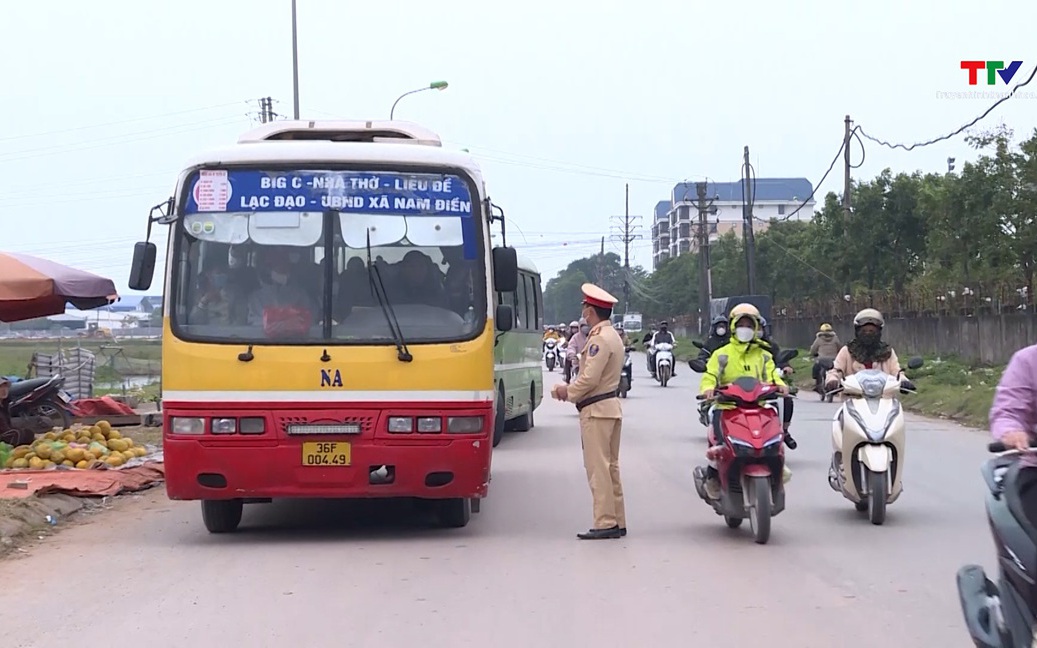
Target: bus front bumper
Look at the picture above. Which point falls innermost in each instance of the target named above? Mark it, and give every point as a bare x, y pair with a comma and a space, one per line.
216, 467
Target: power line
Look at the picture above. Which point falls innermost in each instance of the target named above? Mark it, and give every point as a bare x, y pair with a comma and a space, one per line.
117, 123
958, 131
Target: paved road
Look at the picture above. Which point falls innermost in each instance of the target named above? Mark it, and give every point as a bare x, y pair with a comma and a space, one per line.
332, 574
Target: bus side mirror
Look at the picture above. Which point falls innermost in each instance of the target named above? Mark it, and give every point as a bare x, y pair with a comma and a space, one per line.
505, 269
142, 271
504, 318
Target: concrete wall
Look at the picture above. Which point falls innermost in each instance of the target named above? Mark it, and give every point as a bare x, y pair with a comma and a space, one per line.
986, 339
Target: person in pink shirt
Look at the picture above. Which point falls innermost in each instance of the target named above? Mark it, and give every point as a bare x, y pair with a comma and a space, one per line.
1013, 416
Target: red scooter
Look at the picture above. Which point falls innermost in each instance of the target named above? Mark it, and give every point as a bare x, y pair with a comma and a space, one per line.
751, 460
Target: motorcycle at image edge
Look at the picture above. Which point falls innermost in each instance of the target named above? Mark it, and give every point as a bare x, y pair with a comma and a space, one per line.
663, 362
551, 354
751, 459
42, 403
626, 377
1002, 615
868, 441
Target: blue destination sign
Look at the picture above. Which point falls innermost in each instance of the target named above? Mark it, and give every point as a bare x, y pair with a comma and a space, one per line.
402, 194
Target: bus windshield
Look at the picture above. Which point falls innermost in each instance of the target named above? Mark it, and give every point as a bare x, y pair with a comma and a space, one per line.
300, 258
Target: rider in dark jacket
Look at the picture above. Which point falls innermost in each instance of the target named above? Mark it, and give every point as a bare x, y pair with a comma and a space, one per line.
769, 343
718, 337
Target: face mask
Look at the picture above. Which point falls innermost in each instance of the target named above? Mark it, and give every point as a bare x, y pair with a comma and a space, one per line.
278, 278
721, 331
869, 338
585, 330
219, 281
744, 334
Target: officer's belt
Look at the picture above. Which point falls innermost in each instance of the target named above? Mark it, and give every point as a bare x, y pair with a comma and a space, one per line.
590, 400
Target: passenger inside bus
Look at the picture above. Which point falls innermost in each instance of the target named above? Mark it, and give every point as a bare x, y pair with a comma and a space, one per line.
416, 282
220, 302
279, 290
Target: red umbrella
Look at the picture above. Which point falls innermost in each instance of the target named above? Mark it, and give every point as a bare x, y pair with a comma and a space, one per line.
32, 287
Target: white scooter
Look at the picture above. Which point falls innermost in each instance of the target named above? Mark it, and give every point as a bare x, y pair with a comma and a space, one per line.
868, 441
663, 362
551, 354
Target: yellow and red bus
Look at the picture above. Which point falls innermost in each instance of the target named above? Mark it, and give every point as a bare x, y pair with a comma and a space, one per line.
330, 314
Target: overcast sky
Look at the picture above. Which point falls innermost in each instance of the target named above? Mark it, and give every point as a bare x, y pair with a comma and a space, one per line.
563, 102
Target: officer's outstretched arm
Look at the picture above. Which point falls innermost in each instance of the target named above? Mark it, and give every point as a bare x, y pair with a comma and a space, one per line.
589, 381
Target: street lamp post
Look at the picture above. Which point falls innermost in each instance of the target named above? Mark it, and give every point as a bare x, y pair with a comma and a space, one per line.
295, 63
435, 85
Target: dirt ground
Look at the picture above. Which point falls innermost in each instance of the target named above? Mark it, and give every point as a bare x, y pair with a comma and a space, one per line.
24, 522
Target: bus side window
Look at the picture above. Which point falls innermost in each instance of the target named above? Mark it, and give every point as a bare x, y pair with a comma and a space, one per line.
521, 317
537, 301
531, 301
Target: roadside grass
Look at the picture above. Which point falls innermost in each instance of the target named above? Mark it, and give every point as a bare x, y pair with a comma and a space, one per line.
130, 356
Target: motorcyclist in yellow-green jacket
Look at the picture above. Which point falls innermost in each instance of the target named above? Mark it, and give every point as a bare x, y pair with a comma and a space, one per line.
746, 357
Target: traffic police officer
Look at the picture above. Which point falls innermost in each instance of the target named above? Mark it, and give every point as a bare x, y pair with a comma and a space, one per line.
595, 393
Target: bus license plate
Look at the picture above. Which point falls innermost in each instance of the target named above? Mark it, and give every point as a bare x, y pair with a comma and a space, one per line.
326, 453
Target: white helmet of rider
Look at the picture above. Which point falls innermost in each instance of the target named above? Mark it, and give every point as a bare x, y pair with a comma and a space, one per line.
574, 324
869, 316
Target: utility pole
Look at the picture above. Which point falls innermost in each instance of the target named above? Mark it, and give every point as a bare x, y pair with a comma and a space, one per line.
847, 205
601, 264
626, 235
846, 180
266, 110
705, 285
295, 62
747, 224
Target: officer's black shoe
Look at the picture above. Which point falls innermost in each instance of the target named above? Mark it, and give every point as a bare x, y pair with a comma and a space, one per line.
622, 532
790, 442
601, 534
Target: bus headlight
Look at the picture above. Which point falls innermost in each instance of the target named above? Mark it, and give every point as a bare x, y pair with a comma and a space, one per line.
428, 424
253, 425
185, 425
464, 424
401, 424
224, 426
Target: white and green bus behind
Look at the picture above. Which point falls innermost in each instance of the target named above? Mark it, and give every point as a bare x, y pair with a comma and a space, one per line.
518, 354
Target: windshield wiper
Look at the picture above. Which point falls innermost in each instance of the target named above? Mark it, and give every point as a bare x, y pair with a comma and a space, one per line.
374, 276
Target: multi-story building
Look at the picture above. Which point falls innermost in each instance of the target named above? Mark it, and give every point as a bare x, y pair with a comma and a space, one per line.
675, 226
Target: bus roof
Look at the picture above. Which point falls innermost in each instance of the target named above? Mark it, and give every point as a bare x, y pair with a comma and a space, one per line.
524, 263
343, 131
336, 142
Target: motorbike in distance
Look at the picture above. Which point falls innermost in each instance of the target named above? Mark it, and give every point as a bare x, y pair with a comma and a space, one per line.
825, 365
868, 441
1002, 615
663, 362
626, 377
551, 354
749, 453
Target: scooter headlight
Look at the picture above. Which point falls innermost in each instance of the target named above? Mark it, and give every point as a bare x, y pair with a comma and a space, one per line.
776, 439
875, 434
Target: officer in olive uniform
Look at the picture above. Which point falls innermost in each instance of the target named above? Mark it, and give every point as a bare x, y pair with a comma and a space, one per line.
595, 393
